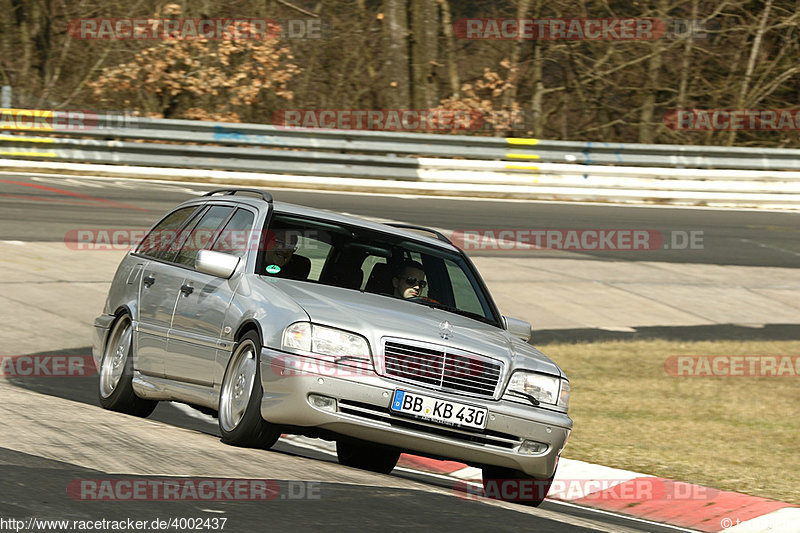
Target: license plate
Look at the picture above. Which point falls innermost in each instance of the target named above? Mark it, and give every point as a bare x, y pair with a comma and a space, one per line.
438, 410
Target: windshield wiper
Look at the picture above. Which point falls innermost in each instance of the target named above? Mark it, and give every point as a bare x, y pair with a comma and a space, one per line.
527, 396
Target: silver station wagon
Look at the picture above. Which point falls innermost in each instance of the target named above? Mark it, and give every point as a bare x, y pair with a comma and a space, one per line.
284, 319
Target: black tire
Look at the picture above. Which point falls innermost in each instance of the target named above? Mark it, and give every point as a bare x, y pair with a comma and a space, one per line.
511, 485
367, 455
115, 387
239, 417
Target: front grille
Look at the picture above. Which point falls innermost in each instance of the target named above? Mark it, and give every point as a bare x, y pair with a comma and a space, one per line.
442, 368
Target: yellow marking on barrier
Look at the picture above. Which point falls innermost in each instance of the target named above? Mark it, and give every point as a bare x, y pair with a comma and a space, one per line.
522, 167
521, 141
521, 156
32, 154
26, 119
16, 138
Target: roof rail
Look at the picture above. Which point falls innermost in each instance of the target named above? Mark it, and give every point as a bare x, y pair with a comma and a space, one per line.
439, 235
267, 197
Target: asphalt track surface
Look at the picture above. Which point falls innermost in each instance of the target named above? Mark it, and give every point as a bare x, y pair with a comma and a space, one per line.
44, 208
34, 486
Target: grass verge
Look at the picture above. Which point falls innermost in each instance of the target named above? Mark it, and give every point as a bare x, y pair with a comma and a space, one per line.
734, 433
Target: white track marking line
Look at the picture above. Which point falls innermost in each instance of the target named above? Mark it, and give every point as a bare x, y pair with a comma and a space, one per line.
459, 198
762, 245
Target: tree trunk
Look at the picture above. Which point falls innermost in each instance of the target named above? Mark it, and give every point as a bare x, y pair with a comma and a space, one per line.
366, 48
537, 98
537, 112
751, 64
510, 95
452, 65
22, 16
424, 53
395, 39
686, 62
646, 125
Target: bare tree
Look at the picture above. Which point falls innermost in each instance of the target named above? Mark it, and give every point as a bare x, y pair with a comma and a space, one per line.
450, 48
424, 53
397, 90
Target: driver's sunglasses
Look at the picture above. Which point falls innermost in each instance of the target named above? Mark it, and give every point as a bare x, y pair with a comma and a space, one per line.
413, 282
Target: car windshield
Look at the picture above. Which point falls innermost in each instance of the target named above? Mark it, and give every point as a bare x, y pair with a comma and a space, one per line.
371, 261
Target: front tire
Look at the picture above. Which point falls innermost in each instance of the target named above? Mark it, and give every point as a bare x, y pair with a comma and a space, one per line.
240, 421
511, 485
115, 389
366, 455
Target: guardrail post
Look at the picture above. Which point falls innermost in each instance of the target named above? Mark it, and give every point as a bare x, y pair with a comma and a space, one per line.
5, 96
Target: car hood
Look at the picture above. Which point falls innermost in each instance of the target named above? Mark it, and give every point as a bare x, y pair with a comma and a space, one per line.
375, 316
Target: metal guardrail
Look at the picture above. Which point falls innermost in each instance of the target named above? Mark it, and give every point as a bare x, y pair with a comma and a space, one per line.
432, 163
320, 145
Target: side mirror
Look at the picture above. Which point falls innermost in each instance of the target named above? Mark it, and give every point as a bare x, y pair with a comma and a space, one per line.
216, 263
518, 328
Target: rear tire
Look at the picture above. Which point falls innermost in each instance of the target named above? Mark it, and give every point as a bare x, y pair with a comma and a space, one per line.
115, 389
240, 421
511, 485
366, 455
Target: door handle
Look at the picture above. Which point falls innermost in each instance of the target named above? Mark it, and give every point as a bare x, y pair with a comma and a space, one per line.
148, 280
187, 290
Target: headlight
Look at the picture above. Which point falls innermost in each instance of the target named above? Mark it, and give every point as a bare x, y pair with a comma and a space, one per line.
546, 389
307, 337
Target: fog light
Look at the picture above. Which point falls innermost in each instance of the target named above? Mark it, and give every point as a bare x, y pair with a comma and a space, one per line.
323, 403
531, 447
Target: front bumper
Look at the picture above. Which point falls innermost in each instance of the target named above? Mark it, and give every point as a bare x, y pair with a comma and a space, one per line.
363, 412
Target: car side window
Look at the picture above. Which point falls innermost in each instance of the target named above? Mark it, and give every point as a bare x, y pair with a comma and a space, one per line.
161, 237
463, 292
202, 235
235, 237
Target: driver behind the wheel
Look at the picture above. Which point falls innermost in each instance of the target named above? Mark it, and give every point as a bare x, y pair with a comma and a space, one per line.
409, 280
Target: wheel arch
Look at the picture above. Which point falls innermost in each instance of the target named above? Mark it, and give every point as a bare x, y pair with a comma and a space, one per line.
249, 325
122, 310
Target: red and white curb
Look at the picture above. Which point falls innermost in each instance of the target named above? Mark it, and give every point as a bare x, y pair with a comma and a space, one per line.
647, 497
